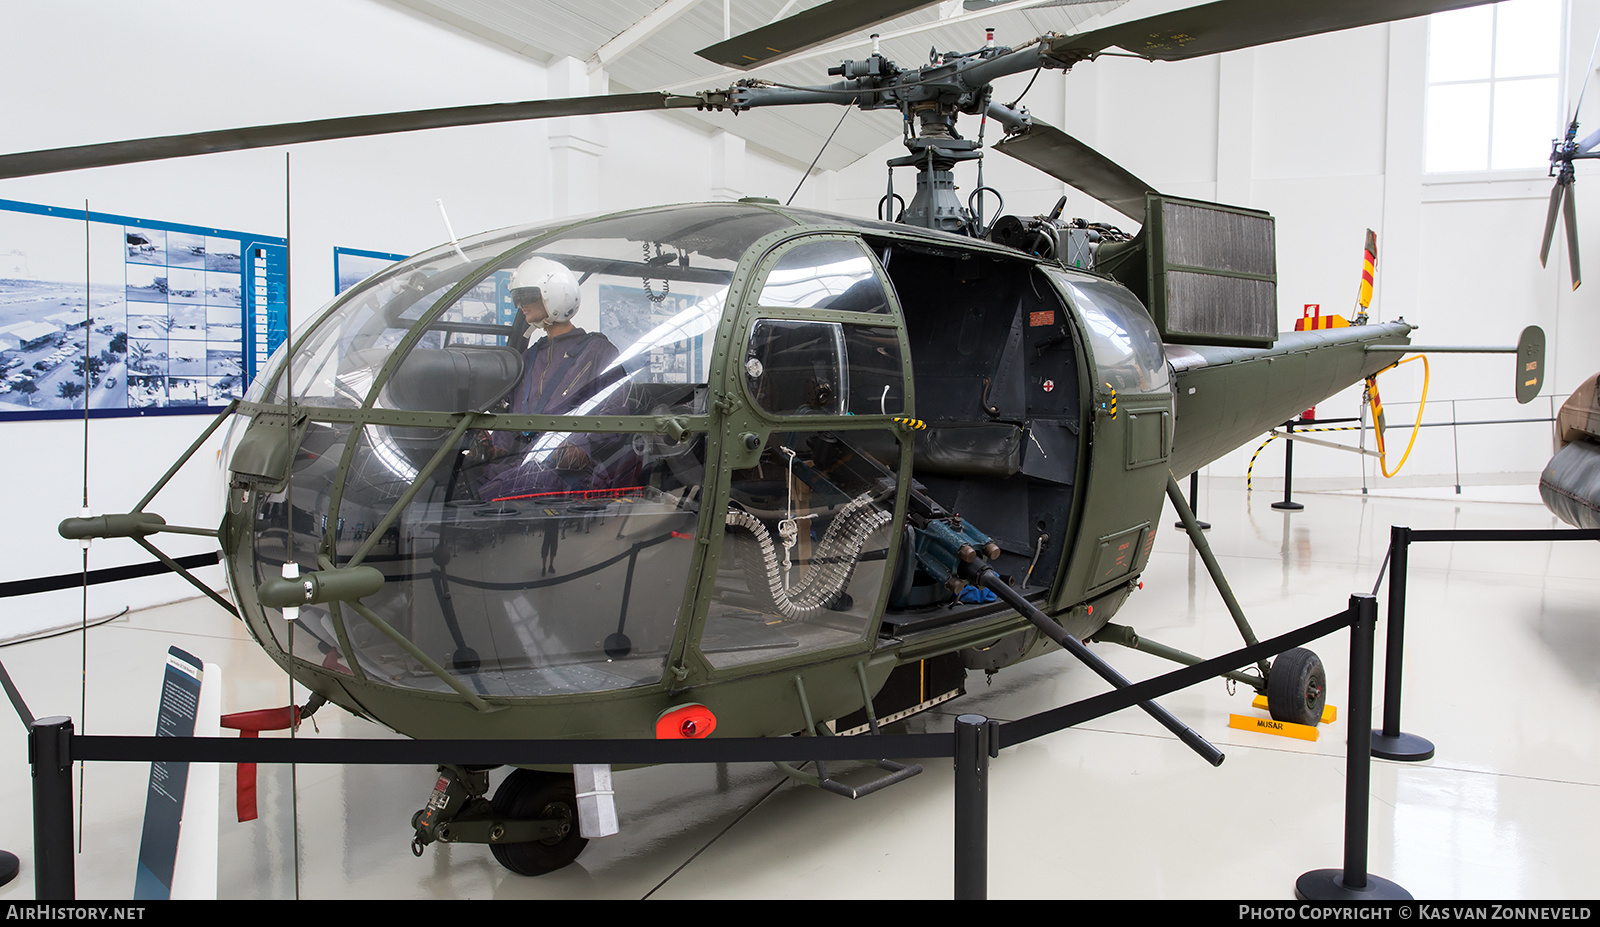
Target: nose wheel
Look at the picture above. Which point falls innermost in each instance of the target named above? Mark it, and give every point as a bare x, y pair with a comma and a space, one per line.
1297, 687
528, 794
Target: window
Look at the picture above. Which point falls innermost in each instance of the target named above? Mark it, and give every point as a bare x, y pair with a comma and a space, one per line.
829, 273
823, 368
1493, 90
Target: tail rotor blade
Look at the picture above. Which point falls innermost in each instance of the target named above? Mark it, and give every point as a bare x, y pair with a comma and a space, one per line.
1588, 143
1570, 213
1550, 222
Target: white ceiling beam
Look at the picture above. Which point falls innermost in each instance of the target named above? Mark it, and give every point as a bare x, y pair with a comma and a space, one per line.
783, 12
629, 38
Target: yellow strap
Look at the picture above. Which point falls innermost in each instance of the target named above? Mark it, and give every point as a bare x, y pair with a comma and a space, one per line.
1377, 409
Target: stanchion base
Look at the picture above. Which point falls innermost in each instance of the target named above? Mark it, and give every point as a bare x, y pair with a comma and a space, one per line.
1328, 885
1204, 525
1407, 748
9, 866
1288, 506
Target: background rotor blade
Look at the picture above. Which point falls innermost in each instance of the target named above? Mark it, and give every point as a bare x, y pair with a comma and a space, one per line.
1550, 222
1588, 143
1569, 210
50, 161
807, 29
1227, 25
1065, 158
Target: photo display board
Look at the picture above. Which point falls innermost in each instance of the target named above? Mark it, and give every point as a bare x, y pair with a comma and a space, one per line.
628, 316
131, 316
352, 265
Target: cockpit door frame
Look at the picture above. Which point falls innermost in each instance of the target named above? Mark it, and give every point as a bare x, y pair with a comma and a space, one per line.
1130, 439
740, 430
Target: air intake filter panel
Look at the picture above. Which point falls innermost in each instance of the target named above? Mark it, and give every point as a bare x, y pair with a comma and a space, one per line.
1213, 275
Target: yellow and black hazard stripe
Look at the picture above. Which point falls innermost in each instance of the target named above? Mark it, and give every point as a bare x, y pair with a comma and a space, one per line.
1248, 470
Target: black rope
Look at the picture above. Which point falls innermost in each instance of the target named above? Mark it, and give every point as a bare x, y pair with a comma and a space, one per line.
348, 751
40, 584
1048, 722
65, 631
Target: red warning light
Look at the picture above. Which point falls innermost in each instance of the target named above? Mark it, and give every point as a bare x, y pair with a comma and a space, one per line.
688, 722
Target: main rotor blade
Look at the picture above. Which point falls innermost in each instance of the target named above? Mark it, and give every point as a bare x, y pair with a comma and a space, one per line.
1550, 222
1227, 25
1065, 158
805, 30
50, 161
1570, 213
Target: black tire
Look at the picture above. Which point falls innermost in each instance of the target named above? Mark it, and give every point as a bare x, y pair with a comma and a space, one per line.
1297, 687
528, 794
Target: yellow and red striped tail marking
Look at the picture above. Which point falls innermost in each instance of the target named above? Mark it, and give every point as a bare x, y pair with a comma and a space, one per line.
1368, 269
1377, 411
1320, 322
1312, 319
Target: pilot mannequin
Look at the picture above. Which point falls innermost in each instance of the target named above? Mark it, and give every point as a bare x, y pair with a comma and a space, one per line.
567, 372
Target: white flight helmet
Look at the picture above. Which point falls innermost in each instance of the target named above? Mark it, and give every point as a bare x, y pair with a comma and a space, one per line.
549, 281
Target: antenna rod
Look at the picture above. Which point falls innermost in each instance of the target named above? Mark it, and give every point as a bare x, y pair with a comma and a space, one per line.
821, 150
451, 231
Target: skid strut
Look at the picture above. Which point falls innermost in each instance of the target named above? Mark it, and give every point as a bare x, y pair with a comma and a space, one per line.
1198, 538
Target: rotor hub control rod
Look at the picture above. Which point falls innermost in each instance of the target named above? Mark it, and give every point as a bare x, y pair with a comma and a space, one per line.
991, 580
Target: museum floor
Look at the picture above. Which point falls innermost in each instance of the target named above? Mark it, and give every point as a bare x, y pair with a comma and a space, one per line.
1502, 674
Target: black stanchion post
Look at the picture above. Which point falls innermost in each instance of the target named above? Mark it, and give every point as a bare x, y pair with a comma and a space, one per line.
50, 753
1288, 504
1353, 882
1194, 497
972, 807
1390, 743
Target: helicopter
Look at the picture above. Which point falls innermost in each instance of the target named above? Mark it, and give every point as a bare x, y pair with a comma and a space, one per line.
821, 439
1568, 482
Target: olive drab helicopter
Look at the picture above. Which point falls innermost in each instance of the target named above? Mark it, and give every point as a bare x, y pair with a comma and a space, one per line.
765, 470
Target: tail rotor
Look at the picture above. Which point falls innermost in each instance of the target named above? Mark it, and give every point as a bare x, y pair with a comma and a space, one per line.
1563, 151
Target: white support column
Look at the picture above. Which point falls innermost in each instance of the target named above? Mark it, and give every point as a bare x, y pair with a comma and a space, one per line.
576, 142
727, 166
1400, 238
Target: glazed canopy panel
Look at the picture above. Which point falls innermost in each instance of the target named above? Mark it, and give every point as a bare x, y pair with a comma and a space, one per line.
530, 561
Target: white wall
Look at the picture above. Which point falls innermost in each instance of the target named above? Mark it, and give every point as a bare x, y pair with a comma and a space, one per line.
103, 70
1326, 134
